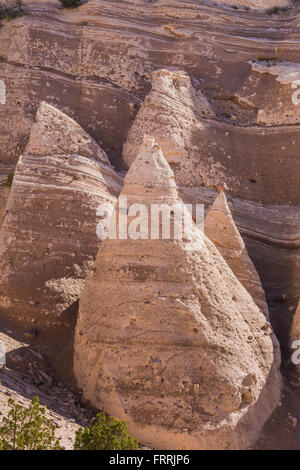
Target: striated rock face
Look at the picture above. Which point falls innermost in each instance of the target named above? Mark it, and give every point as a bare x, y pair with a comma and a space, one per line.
282, 109
54, 133
256, 4
3, 202
171, 113
221, 230
95, 64
222, 94
48, 239
167, 337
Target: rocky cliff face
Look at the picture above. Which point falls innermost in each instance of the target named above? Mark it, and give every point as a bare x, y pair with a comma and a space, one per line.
96, 63
164, 329
221, 230
48, 240
172, 112
217, 84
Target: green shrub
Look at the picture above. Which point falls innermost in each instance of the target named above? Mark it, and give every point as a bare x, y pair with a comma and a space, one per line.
70, 3
27, 428
105, 433
9, 180
10, 9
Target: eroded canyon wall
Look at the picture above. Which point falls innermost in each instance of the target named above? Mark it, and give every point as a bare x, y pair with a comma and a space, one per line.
48, 240
96, 64
167, 337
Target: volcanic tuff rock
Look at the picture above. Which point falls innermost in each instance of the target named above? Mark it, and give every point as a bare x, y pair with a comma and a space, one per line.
256, 4
3, 202
282, 109
167, 337
95, 64
54, 133
221, 230
171, 113
48, 239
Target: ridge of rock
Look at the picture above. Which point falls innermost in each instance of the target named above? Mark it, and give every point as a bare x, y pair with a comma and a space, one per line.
163, 331
222, 231
48, 240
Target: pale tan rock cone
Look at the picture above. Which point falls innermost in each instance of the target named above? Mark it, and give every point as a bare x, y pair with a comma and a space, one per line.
48, 239
167, 338
220, 228
55, 133
171, 113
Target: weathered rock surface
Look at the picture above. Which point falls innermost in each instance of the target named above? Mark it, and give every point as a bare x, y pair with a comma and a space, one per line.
272, 238
48, 239
256, 4
221, 230
3, 202
28, 374
95, 64
54, 133
167, 337
171, 114
295, 330
280, 108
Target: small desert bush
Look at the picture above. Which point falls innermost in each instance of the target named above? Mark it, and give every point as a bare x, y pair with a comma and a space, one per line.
105, 433
27, 428
70, 3
10, 9
9, 180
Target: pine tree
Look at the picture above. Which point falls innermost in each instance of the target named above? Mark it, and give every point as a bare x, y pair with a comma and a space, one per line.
105, 433
27, 428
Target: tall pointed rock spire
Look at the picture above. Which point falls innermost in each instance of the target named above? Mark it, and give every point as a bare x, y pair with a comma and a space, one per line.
55, 133
48, 239
167, 338
150, 170
220, 228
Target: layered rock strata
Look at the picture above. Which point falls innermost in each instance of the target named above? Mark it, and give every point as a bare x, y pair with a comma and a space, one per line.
167, 337
220, 228
171, 114
48, 239
272, 237
95, 64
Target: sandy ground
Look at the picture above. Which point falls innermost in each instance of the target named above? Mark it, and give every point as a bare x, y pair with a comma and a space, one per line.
27, 375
